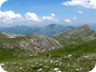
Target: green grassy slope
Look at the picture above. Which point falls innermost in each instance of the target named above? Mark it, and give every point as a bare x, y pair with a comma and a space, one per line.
76, 58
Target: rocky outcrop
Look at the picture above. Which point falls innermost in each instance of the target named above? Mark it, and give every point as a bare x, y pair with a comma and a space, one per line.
32, 43
39, 43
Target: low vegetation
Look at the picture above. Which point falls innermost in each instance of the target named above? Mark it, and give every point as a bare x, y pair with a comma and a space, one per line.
80, 58
67, 52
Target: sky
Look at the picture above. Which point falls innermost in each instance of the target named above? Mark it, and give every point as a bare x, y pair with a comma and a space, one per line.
43, 12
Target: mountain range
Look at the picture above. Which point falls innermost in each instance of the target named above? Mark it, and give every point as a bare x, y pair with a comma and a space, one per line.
74, 49
35, 43
51, 29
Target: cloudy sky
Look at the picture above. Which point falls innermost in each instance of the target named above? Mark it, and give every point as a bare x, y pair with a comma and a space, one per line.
42, 12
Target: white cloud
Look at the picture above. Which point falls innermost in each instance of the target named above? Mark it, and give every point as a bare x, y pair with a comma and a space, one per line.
83, 3
80, 12
9, 17
67, 21
51, 18
32, 17
35, 18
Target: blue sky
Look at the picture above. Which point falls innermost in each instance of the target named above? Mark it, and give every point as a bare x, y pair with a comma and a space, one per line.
42, 12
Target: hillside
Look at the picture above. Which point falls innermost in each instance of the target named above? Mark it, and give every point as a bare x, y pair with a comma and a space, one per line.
81, 58
70, 51
12, 45
76, 36
81, 32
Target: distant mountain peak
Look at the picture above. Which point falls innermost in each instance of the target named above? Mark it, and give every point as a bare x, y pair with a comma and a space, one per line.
83, 32
85, 27
53, 29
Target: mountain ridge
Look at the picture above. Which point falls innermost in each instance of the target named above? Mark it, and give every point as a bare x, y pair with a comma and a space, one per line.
51, 29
